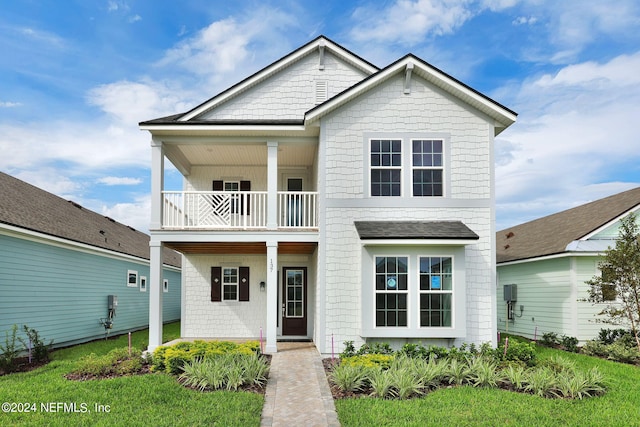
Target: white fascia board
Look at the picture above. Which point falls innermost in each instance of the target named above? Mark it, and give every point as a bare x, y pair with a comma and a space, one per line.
207, 128
610, 223
273, 69
548, 257
46, 239
197, 236
418, 242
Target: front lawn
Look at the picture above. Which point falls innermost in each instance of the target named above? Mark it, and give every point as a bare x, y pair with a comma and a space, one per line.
470, 406
152, 399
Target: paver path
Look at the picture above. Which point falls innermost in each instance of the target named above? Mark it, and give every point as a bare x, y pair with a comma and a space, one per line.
297, 392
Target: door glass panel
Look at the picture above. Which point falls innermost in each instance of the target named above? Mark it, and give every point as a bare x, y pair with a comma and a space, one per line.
295, 293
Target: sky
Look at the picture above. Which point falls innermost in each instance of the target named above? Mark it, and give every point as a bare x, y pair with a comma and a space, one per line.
76, 78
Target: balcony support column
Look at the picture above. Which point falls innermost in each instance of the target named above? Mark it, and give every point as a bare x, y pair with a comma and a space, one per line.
157, 184
155, 295
272, 185
272, 297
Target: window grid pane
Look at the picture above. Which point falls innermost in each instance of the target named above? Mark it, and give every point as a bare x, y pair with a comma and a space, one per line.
391, 277
427, 158
230, 284
436, 291
386, 167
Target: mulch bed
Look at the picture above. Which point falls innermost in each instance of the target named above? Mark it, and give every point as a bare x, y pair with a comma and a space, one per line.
22, 365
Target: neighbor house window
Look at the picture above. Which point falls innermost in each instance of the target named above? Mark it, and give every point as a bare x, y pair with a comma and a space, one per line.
436, 291
132, 278
230, 284
165, 285
386, 167
427, 162
143, 284
391, 291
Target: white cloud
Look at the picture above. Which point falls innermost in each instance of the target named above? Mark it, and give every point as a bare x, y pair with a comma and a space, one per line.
525, 20
9, 104
118, 180
135, 18
575, 129
136, 214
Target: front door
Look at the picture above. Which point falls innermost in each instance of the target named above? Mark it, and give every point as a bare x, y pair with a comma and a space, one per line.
294, 301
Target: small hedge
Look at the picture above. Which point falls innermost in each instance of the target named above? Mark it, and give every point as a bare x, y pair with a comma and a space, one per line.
173, 358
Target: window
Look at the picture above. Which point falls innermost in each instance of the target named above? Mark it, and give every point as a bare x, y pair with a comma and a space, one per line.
132, 278
386, 167
436, 291
233, 186
391, 291
143, 284
165, 285
229, 284
427, 161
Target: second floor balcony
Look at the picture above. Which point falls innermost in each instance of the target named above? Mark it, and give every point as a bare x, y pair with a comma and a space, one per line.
238, 210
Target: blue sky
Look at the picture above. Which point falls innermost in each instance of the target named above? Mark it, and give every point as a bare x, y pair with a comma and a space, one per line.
76, 77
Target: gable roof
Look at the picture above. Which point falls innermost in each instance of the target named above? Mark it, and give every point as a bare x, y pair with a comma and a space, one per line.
552, 234
31, 208
320, 42
503, 116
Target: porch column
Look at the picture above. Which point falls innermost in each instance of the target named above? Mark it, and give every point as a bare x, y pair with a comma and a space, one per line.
155, 295
272, 297
272, 185
157, 183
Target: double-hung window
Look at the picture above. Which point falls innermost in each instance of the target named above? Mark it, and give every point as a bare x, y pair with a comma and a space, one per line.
427, 162
391, 290
233, 186
230, 284
436, 291
386, 167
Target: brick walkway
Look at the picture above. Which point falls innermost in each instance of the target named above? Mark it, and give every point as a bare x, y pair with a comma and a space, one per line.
297, 392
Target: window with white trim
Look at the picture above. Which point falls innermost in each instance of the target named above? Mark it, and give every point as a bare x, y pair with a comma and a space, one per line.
386, 167
230, 284
233, 186
132, 278
427, 163
143, 284
391, 284
436, 291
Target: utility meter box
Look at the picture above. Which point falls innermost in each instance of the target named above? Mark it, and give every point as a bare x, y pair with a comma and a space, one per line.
112, 302
510, 293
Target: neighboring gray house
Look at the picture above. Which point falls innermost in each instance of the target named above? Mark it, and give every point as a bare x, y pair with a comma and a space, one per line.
549, 259
325, 198
59, 262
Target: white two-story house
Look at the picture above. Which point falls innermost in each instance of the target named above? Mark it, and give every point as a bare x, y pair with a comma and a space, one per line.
328, 199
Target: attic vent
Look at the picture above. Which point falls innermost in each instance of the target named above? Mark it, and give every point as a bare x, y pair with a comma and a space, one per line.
510, 234
322, 91
110, 219
75, 204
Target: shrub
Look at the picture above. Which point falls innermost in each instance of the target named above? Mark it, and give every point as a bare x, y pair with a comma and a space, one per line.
619, 351
518, 351
381, 361
117, 362
457, 372
349, 377
541, 382
405, 383
229, 371
609, 336
484, 372
578, 385
569, 343
549, 339
9, 352
38, 350
173, 358
381, 382
516, 375
429, 372
375, 348
349, 350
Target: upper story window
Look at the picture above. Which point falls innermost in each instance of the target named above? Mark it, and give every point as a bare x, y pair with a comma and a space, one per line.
420, 162
427, 162
386, 167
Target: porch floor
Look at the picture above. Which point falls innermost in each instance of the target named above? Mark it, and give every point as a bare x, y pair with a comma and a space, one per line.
297, 391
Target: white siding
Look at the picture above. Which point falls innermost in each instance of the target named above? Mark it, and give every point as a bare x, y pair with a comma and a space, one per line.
291, 92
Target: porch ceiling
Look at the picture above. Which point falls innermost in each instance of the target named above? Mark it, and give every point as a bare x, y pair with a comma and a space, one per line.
240, 248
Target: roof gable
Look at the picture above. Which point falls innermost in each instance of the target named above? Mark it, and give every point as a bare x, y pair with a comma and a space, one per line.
411, 65
552, 234
25, 206
327, 56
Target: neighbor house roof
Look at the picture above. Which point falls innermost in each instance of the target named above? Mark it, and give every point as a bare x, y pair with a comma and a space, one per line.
31, 208
552, 234
423, 230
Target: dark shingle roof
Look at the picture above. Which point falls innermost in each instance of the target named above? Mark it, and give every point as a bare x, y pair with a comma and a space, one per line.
414, 230
551, 234
25, 206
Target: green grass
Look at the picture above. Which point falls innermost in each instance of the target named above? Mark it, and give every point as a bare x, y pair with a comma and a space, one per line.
468, 406
154, 399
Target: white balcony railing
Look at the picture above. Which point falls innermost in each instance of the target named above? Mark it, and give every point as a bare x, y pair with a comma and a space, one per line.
236, 210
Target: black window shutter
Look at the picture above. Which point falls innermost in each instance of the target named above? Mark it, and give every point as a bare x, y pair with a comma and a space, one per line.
216, 283
245, 186
218, 186
243, 293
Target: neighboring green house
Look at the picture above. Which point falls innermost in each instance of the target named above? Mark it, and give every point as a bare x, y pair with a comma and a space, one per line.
548, 260
59, 262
